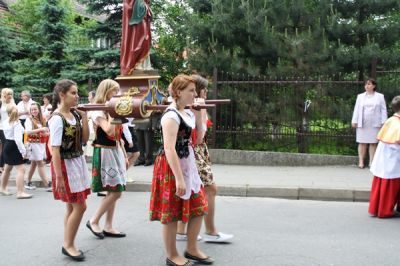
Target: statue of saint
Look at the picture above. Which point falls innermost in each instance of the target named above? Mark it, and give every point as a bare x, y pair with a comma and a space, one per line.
136, 36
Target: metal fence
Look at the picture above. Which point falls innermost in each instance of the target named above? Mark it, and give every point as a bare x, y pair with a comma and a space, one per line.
288, 114
295, 114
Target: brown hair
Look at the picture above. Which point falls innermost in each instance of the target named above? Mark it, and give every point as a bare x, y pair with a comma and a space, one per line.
373, 81
48, 96
61, 86
180, 83
396, 104
200, 82
40, 117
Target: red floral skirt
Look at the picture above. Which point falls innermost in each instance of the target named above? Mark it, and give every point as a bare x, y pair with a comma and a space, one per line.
68, 196
384, 196
165, 206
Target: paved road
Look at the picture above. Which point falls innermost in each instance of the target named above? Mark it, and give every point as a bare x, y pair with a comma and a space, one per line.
267, 232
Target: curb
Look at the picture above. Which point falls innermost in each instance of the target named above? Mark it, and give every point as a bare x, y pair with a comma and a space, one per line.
267, 158
293, 193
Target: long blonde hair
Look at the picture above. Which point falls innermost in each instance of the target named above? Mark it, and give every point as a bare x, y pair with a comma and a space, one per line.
103, 89
12, 112
4, 93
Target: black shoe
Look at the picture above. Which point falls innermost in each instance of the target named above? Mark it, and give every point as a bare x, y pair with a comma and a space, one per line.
205, 261
138, 163
147, 163
169, 262
98, 234
79, 257
116, 235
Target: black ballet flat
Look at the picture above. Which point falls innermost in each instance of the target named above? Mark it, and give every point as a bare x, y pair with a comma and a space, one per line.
79, 257
98, 234
116, 235
204, 261
169, 262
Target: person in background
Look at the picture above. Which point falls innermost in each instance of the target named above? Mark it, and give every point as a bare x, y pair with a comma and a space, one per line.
177, 193
24, 106
70, 177
203, 162
7, 99
368, 117
130, 141
46, 107
88, 148
145, 136
14, 153
37, 135
385, 191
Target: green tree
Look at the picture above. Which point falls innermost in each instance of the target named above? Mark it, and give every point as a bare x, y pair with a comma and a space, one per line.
42, 34
301, 37
100, 59
169, 39
363, 30
7, 50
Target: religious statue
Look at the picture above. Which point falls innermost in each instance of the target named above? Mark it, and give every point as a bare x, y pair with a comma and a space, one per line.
136, 36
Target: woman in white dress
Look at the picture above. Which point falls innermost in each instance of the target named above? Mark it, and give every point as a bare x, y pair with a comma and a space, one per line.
37, 135
368, 117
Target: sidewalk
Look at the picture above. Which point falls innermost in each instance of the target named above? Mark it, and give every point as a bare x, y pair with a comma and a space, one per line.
337, 183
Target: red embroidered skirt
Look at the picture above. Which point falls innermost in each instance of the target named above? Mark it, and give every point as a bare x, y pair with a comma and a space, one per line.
68, 196
384, 196
165, 206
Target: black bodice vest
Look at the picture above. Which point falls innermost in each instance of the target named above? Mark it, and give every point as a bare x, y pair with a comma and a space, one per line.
182, 139
71, 144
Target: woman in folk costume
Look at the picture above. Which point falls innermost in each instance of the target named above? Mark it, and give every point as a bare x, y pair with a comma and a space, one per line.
177, 192
385, 167
203, 163
37, 135
109, 163
70, 176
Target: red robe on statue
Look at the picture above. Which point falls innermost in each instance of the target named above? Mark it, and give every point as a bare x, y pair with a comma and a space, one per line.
136, 38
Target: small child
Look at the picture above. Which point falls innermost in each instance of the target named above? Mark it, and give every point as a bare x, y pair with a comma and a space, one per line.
385, 167
37, 135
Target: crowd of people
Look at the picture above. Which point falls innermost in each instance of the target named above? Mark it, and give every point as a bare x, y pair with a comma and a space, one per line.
183, 188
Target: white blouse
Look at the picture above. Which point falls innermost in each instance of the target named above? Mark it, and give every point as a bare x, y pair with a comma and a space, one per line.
188, 165
15, 131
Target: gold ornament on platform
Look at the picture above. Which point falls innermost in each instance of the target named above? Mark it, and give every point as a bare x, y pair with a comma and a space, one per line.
124, 104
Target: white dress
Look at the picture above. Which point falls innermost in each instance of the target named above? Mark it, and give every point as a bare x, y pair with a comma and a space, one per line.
367, 133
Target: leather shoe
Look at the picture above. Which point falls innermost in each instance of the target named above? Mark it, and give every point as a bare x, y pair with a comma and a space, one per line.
98, 234
79, 257
169, 262
117, 235
204, 261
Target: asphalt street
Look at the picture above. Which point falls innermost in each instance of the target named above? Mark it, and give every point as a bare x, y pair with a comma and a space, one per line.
267, 232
